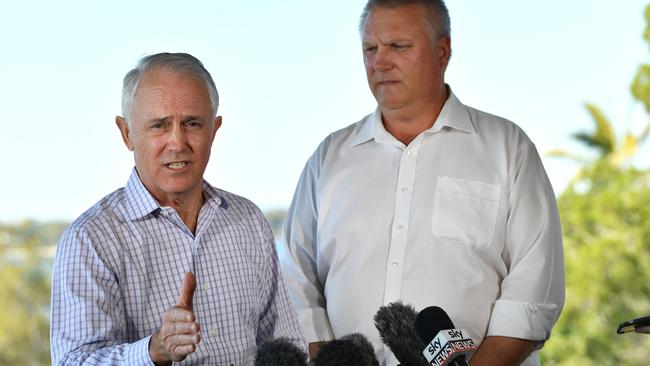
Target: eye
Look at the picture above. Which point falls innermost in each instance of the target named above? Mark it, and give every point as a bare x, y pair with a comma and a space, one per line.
369, 48
156, 125
399, 46
193, 123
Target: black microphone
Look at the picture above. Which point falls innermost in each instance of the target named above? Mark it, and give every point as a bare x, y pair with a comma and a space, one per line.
396, 325
351, 350
280, 352
445, 345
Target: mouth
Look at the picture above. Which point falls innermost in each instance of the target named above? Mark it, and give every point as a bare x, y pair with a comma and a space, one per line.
177, 165
387, 82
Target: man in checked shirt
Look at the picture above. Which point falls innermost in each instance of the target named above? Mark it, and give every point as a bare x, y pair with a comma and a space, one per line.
168, 268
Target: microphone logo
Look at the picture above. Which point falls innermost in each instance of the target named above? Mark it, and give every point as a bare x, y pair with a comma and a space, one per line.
447, 344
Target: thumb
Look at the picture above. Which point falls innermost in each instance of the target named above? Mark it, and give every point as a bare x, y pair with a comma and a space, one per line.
187, 291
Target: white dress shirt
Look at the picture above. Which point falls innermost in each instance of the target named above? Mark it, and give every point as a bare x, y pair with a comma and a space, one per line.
464, 218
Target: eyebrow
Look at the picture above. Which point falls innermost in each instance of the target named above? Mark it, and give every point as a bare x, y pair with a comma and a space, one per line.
389, 42
396, 40
167, 118
191, 118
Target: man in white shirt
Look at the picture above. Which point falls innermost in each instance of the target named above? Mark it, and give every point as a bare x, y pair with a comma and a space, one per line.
427, 201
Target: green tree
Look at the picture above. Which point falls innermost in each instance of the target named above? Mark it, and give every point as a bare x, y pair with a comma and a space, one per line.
26, 253
606, 223
641, 84
605, 214
604, 140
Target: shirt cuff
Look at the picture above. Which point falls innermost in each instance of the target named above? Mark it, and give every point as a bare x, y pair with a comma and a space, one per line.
522, 320
315, 324
138, 352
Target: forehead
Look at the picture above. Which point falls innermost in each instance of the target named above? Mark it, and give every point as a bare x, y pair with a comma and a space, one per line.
170, 89
399, 21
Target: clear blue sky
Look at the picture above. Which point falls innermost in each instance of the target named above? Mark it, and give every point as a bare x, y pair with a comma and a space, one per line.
289, 72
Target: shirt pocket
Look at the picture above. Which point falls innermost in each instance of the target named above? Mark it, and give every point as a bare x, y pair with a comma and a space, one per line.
465, 210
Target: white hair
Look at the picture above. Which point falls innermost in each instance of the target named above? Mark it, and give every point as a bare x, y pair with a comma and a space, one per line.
178, 62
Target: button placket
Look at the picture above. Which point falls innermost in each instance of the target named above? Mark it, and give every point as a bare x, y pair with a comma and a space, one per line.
399, 233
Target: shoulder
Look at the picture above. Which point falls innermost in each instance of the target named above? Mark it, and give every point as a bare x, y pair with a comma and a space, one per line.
349, 132
336, 141
498, 129
91, 235
237, 204
239, 209
243, 217
107, 210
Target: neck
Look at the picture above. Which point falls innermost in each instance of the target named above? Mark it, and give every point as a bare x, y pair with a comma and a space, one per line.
407, 122
187, 208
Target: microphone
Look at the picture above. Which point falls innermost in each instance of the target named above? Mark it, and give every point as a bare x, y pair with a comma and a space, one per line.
396, 325
445, 345
280, 352
351, 350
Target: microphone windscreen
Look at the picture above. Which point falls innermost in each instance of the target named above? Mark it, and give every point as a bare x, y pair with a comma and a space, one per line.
351, 350
396, 325
365, 348
280, 352
430, 321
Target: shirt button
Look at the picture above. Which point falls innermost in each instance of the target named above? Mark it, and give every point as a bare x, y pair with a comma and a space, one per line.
394, 264
410, 153
205, 287
213, 332
400, 227
404, 189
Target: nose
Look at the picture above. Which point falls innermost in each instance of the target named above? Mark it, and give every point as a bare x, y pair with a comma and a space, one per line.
382, 59
177, 138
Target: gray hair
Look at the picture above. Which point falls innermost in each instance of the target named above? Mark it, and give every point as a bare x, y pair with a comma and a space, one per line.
437, 15
178, 62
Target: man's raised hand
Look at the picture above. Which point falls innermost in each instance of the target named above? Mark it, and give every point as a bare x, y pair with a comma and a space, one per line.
179, 334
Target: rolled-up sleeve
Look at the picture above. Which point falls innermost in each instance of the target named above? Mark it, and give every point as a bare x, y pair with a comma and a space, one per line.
533, 291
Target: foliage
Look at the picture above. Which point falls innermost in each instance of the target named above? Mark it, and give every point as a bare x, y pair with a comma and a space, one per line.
26, 253
606, 223
641, 84
604, 140
605, 214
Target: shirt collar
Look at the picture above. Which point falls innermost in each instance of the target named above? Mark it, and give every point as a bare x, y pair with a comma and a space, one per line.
369, 129
212, 197
454, 115
141, 203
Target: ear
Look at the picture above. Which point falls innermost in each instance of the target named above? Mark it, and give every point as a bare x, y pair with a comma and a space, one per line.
217, 124
444, 51
124, 130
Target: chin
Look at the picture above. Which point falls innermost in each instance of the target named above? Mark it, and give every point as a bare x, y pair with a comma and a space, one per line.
180, 188
388, 100
390, 104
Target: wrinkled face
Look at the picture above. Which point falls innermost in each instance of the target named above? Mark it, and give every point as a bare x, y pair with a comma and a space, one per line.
170, 132
403, 64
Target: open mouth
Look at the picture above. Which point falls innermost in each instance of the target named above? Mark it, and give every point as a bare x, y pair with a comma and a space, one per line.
177, 165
